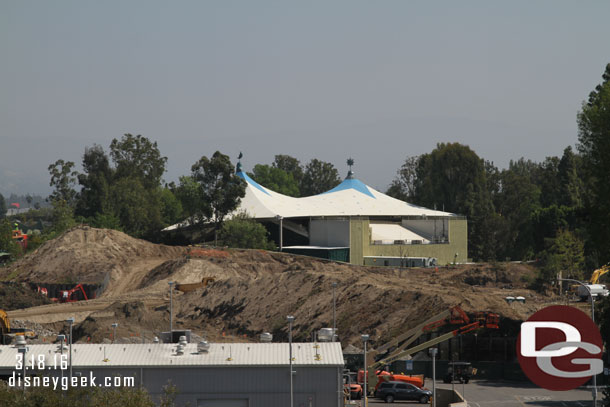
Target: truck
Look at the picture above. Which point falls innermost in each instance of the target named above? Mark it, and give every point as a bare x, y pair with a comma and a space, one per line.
597, 290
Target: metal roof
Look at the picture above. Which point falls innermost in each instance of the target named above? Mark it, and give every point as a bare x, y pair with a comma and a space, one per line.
220, 354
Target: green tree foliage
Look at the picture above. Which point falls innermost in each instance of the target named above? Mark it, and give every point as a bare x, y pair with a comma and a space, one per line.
190, 196
127, 196
2, 206
74, 397
63, 217
138, 157
518, 199
594, 145
244, 232
565, 255
63, 180
95, 182
452, 177
403, 185
221, 189
171, 208
137, 208
275, 179
7, 244
289, 164
318, 177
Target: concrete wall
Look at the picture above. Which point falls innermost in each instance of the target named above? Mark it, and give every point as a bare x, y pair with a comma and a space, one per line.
329, 232
448, 397
361, 244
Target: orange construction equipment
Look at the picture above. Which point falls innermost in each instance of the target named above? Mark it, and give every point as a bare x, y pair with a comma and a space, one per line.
454, 316
20, 238
68, 295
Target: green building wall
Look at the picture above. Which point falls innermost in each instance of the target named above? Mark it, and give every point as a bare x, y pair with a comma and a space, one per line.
361, 244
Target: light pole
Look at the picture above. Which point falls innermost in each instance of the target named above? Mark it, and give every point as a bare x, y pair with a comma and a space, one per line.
365, 339
62, 339
71, 322
171, 312
280, 220
290, 320
433, 352
114, 331
334, 285
594, 391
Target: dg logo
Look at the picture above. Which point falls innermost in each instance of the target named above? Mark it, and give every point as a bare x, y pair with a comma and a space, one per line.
560, 348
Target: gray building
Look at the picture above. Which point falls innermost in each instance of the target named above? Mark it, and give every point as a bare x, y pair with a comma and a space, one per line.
227, 375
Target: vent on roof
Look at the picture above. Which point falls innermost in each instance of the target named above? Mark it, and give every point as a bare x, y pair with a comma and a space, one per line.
180, 349
20, 341
326, 334
266, 337
203, 346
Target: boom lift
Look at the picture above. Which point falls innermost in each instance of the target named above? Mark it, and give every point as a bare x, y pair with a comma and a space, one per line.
453, 316
69, 295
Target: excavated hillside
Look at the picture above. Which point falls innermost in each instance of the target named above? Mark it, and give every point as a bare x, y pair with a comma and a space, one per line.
254, 290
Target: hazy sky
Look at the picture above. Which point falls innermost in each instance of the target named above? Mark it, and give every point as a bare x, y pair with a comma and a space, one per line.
375, 80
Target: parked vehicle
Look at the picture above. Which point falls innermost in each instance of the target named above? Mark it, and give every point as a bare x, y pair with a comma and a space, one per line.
460, 371
390, 391
351, 388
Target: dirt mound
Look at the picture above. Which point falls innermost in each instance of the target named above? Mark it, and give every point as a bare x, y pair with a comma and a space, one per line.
17, 295
87, 255
254, 290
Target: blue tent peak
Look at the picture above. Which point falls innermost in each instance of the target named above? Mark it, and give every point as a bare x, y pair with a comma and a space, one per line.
352, 183
251, 181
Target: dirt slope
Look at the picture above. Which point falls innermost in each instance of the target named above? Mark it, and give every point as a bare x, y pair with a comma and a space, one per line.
255, 290
86, 255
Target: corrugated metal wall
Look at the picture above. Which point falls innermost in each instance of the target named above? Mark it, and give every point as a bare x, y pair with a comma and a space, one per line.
261, 386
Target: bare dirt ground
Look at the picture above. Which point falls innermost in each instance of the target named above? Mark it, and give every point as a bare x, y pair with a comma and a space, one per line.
253, 291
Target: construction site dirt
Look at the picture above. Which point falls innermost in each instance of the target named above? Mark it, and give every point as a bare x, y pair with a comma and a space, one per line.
252, 291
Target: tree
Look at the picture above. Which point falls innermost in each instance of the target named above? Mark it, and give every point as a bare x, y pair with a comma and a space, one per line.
244, 232
275, 179
2, 206
518, 200
221, 189
190, 195
594, 145
452, 177
319, 176
7, 244
63, 217
95, 181
289, 164
171, 209
403, 185
566, 256
570, 179
137, 156
137, 208
63, 179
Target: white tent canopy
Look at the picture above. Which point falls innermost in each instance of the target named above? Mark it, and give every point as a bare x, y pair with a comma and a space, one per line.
350, 198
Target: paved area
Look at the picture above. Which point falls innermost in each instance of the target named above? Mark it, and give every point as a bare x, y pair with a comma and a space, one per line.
506, 394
